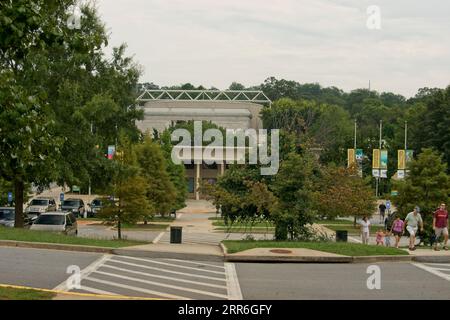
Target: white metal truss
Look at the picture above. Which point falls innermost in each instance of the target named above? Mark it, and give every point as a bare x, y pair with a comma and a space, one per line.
208, 95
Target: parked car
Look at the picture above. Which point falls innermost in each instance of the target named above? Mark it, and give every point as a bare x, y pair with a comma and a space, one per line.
76, 206
57, 221
40, 205
8, 217
95, 206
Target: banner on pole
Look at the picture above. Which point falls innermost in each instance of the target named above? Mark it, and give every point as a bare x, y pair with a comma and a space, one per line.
350, 157
401, 159
111, 151
383, 159
376, 159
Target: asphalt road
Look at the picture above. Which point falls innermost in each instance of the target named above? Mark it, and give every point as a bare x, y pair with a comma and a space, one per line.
39, 268
181, 279
341, 281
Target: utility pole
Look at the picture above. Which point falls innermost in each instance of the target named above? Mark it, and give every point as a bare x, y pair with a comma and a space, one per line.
355, 136
89, 189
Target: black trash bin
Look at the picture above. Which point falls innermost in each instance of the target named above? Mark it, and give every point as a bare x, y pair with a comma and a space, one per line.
341, 235
175, 234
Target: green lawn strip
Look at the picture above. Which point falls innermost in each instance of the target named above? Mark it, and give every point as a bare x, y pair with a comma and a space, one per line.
8, 293
342, 248
352, 230
162, 219
243, 230
50, 237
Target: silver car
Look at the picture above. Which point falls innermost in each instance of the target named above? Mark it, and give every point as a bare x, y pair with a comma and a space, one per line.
40, 205
57, 221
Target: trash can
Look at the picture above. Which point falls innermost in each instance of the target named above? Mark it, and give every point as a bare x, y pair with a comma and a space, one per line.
175, 234
341, 235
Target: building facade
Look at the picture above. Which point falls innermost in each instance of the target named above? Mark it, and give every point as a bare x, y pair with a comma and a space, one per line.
227, 109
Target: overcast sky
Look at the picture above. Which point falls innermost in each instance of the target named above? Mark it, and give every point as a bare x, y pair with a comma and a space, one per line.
216, 42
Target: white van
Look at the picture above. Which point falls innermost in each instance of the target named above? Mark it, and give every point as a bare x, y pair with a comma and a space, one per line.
63, 222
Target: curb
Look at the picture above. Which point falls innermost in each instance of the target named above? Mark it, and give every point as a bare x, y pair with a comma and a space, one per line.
55, 246
167, 255
432, 259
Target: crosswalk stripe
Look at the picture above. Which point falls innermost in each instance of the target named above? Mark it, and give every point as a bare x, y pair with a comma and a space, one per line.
97, 291
217, 295
124, 286
173, 265
432, 270
196, 263
168, 271
167, 278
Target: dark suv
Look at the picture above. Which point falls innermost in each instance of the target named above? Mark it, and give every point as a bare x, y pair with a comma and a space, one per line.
76, 206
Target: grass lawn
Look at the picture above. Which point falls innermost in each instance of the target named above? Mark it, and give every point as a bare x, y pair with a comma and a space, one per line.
50, 237
343, 248
352, 230
8, 293
162, 219
244, 230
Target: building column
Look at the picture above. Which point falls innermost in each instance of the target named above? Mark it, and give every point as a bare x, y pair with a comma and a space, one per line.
197, 181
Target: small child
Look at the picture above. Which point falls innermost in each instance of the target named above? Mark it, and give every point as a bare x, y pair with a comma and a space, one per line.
380, 237
387, 238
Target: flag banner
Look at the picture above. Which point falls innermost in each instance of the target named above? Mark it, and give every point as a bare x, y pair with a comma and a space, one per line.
376, 173
409, 156
401, 174
383, 159
376, 159
350, 157
359, 155
383, 173
401, 160
111, 151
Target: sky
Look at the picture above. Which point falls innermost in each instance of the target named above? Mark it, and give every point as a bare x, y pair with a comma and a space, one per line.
216, 42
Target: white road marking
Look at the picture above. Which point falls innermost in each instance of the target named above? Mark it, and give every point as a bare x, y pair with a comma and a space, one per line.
197, 263
163, 277
233, 287
217, 295
433, 271
355, 239
168, 271
174, 265
124, 286
98, 291
84, 273
156, 240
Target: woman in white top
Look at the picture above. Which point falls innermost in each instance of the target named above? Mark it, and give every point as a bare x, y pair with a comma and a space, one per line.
365, 224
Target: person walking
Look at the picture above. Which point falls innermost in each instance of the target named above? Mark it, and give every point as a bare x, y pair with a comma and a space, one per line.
440, 225
412, 222
397, 230
382, 209
365, 227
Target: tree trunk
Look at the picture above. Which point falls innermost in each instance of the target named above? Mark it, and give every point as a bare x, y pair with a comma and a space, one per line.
18, 197
354, 221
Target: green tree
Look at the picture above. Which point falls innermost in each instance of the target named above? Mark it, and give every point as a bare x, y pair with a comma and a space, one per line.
160, 189
342, 193
294, 186
28, 30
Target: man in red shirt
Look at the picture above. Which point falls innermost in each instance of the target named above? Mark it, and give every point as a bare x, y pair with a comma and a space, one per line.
440, 225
